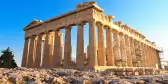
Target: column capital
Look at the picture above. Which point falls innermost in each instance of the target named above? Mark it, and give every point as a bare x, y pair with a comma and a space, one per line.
114, 31
68, 27
91, 20
121, 33
58, 29
40, 34
81, 23
107, 28
33, 37
99, 24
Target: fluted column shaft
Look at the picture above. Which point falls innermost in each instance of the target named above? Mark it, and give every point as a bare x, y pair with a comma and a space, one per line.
92, 44
57, 56
116, 50
25, 53
46, 53
144, 55
51, 45
139, 54
80, 46
135, 52
38, 51
147, 55
132, 50
128, 51
158, 59
31, 51
67, 48
155, 57
110, 56
150, 57
122, 50
101, 49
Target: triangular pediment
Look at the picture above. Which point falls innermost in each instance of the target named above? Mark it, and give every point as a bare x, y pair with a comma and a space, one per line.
33, 23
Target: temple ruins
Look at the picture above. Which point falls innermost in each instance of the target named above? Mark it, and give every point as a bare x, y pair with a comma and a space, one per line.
125, 47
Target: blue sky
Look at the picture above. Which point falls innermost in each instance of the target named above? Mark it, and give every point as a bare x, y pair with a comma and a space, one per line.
150, 17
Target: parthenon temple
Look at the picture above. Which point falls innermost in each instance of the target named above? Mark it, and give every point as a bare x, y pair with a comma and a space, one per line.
44, 46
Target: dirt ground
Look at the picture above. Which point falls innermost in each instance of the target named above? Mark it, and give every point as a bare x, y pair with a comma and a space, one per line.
71, 76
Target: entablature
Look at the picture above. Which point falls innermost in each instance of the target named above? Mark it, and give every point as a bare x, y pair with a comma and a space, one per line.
132, 35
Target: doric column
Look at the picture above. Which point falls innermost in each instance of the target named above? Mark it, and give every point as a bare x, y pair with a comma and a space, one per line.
46, 53
128, 51
144, 55
31, 49
92, 44
38, 51
67, 48
25, 53
158, 59
80, 46
135, 53
122, 50
101, 50
109, 47
148, 55
132, 49
116, 50
57, 56
139, 54
154, 57
51, 45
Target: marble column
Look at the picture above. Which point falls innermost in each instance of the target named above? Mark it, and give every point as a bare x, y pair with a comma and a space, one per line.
101, 50
34, 52
150, 57
67, 48
92, 44
109, 47
116, 50
135, 53
128, 50
158, 59
31, 49
57, 56
132, 49
144, 55
51, 45
147, 56
38, 51
139, 54
46, 54
123, 50
154, 57
80, 46
25, 53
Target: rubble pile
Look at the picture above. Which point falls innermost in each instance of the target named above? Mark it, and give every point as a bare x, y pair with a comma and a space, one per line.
72, 76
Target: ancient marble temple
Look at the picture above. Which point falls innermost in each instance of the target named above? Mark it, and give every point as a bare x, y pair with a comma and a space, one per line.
125, 47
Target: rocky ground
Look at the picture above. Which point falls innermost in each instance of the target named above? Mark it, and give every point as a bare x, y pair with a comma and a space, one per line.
70, 76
